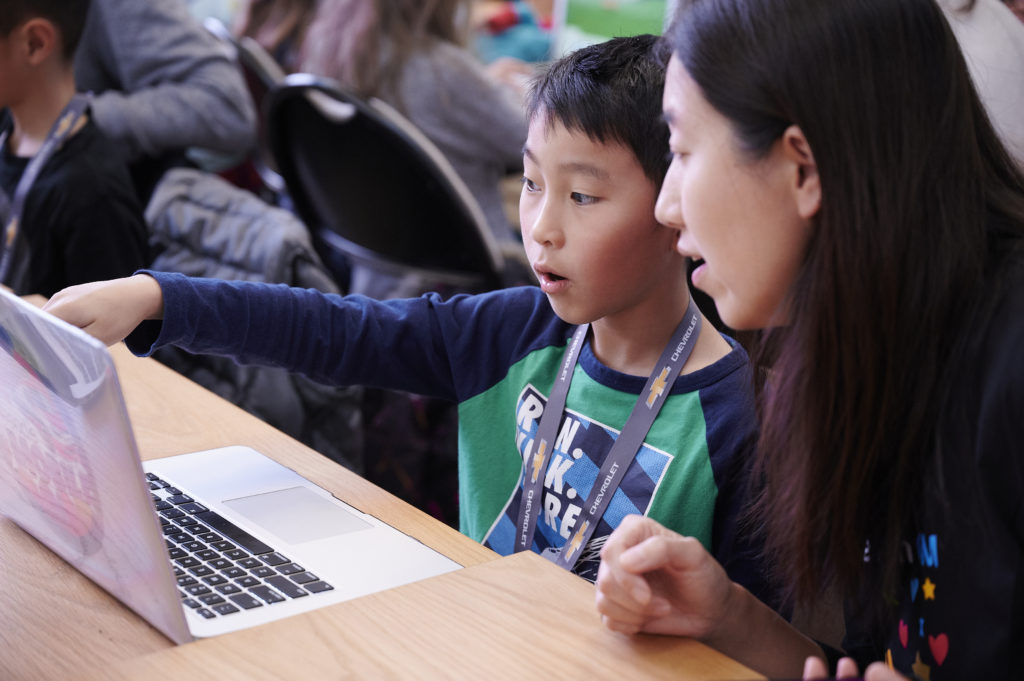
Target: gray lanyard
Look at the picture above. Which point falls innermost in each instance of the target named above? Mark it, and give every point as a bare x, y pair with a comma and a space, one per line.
10, 209
623, 450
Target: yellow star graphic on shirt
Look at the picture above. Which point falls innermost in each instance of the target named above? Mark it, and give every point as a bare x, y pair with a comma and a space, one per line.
928, 589
921, 670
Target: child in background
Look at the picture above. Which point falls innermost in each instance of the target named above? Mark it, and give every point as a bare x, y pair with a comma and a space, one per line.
594, 159
69, 210
410, 54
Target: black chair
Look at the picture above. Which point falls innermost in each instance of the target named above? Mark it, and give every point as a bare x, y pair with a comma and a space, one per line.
373, 189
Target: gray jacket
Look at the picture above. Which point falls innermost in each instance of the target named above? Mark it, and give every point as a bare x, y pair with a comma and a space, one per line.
203, 226
162, 82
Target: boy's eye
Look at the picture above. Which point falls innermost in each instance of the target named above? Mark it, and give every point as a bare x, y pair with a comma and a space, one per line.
582, 199
530, 185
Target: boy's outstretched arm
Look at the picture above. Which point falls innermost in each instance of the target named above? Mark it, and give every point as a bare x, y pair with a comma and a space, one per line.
109, 310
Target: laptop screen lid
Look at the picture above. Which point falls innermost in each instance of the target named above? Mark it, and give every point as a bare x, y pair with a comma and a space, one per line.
70, 473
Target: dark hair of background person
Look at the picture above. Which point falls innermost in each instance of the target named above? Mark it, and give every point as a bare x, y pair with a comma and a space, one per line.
914, 183
594, 90
365, 44
67, 15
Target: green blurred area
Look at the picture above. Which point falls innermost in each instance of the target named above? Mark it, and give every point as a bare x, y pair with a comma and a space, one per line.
611, 18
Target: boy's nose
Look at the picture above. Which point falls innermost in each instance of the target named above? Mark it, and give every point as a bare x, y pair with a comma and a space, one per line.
544, 229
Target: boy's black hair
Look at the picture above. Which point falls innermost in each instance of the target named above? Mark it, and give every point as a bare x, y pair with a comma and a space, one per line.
610, 91
68, 16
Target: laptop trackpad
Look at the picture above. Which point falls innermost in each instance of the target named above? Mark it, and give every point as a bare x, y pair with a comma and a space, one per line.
297, 515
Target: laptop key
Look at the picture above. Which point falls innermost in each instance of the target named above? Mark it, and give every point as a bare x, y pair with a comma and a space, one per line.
274, 559
192, 603
245, 601
304, 577
318, 586
233, 532
287, 587
227, 589
263, 571
179, 498
206, 613
211, 599
290, 568
225, 608
267, 594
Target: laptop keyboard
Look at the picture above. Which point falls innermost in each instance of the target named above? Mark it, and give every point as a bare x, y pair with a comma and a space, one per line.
222, 569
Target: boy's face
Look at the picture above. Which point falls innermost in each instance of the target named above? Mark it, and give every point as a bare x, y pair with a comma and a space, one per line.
587, 215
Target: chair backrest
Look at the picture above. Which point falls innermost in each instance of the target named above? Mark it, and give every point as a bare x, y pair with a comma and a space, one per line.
372, 186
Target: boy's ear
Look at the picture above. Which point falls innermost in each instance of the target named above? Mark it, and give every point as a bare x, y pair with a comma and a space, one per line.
39, 39
806, 183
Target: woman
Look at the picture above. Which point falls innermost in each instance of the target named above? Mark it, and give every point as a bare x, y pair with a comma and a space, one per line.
843, 189
409, 53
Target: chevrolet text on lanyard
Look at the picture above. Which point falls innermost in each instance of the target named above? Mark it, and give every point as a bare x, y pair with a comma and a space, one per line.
622, 452
10, 210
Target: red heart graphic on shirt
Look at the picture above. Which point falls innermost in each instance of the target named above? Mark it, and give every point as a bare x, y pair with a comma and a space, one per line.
903, 633
940, 647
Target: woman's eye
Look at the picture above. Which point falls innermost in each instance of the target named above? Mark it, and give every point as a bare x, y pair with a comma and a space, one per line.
530, 185
582, 199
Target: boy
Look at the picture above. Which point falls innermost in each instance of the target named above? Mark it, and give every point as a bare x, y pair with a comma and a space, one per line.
594, 158
67, 205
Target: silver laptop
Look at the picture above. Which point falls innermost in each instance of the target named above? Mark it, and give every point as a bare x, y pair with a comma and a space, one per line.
197, 544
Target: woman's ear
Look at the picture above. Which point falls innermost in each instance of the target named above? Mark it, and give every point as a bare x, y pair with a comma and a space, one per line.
807, 183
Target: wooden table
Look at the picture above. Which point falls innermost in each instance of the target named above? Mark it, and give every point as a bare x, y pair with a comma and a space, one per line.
498, 618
